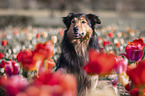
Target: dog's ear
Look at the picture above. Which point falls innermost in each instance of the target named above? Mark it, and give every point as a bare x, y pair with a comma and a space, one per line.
67, 19
93, 19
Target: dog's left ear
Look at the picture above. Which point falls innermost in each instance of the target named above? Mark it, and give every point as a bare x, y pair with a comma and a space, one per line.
93, 19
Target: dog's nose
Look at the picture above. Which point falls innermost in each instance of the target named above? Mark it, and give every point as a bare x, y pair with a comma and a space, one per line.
75, 30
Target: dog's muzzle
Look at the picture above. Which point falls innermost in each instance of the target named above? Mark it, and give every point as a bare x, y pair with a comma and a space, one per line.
77, 33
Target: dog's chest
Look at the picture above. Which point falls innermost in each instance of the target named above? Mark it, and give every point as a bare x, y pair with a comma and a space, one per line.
81, 47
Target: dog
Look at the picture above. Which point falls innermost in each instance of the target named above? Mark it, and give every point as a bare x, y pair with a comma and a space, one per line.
79, 37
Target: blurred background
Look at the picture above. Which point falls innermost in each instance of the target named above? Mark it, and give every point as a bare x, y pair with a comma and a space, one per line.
49, 12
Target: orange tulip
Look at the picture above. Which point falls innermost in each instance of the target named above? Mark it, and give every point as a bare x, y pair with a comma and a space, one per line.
4, 43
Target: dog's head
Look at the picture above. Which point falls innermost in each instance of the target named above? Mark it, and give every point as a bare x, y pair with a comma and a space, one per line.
80, 25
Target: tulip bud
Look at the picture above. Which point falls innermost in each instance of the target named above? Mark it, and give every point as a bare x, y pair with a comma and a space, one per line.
4, 43
123, 78
54, 39
1, 55
29, 36
44, 34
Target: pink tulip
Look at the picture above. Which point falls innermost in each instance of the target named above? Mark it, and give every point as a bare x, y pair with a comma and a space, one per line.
134, 50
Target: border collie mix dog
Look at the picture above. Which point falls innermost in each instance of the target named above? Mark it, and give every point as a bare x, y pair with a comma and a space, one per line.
79, 37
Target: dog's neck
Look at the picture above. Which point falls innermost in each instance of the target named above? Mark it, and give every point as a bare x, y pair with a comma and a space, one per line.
81, 45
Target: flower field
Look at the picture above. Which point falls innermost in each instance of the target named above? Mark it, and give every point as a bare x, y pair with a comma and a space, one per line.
28, 57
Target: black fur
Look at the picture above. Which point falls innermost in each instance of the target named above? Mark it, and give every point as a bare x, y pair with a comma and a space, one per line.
69, 59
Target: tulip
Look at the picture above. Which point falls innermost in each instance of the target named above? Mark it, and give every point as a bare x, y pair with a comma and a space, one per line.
137, 74
117, 45
37, 35
29, 36
110, 34
60, 84
121, 65
14, 85
134, 50
49, 64
4, 43
11, 68
123, 78
44, 34
61, 32
1, 55
30, 60
2, 64
100, 63
54, 39
105, 43
46, 49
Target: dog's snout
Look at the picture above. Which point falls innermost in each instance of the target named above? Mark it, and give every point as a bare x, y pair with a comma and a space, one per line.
75, 29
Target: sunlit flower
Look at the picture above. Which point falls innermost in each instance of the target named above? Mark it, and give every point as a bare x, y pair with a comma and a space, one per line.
11, 68
54, 39
29, 36
134, 50
100, 63
1, 55
4, 43
123, 78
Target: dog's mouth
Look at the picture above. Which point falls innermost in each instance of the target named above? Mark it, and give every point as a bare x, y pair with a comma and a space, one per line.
78, 34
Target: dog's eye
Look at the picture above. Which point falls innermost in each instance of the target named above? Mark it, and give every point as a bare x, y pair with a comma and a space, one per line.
83, 22
73, 21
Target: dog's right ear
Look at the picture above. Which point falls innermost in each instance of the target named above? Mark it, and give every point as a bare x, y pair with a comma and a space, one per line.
67, 19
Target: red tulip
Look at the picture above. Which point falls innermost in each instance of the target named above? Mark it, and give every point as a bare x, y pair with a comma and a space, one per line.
110, 34
134, 50
30, 60
137, 74
128, 87
1, 55
117, 45
105, 43
4, 43
11, 68
14, 85
37, 35
134, 92
2, 64
100, 63
66, 83
121, 65
46, 49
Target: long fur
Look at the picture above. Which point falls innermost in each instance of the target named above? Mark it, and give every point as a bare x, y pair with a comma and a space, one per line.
73, 63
